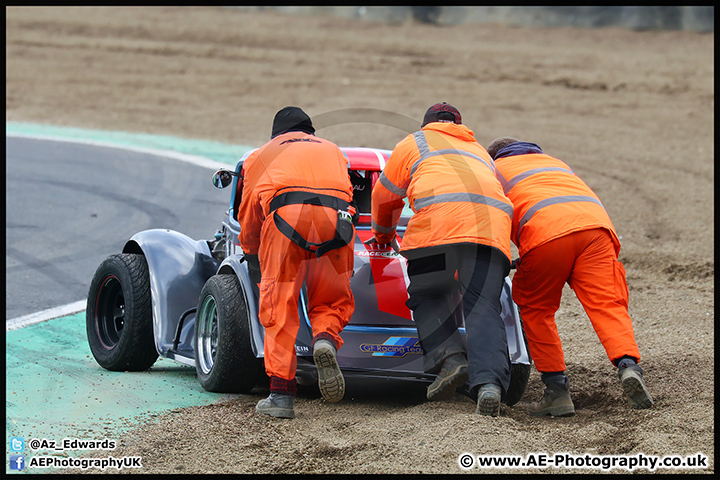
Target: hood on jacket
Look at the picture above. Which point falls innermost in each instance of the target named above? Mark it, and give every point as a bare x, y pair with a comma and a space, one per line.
518, 148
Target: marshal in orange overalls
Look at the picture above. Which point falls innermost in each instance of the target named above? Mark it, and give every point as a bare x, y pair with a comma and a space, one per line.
458, 248
563, 234
296, 161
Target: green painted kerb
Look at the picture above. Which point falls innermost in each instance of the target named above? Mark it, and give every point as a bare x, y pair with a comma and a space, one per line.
220, 152
55, 389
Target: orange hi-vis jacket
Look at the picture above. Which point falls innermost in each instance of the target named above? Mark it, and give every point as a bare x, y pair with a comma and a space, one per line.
550, 200
317, 166
449, 180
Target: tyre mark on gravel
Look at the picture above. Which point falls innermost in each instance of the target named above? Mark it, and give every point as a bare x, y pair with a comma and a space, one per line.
654, 228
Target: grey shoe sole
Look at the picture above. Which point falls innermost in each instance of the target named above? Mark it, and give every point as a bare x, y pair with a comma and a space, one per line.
488, 404
444, 389
330, 378
635, 391
277, 412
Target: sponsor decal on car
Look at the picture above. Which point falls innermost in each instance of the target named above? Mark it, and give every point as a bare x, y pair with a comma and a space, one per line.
389, 273
374, 254
393, 347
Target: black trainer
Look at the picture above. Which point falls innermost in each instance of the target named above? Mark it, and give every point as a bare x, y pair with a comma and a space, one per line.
488, 401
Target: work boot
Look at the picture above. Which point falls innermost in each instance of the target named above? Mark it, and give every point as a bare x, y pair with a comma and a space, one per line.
454, 372
330, 378
631, 378
488, 400
556, 400
277, 405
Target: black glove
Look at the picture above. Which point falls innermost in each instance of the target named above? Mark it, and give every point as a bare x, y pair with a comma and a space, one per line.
356, 216
253, 267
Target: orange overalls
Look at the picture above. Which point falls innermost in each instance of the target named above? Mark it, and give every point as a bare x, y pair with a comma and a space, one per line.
296, 162
563, 234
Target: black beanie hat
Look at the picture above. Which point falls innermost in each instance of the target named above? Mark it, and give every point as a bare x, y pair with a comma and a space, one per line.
441, 111
292, 119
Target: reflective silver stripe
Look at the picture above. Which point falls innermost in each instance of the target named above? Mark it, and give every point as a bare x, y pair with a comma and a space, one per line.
400, 192
425, 153
500, 178
422, 144
421, 203
508, 185
380, 228
554, 201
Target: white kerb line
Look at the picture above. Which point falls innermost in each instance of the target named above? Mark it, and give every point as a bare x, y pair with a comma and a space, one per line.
49, 314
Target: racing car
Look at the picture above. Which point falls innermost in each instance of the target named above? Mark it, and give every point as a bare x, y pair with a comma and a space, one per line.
193, 301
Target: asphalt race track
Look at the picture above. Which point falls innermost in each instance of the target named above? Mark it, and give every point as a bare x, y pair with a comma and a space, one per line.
70, 205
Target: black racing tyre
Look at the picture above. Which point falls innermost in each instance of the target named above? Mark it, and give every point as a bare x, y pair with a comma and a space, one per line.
118, 317
224, 359
519, 375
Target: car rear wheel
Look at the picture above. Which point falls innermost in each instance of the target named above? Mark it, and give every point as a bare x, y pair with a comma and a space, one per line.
224, 359
519, 375
118, 317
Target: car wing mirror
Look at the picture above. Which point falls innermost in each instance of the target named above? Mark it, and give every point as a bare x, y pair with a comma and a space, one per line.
223, 178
